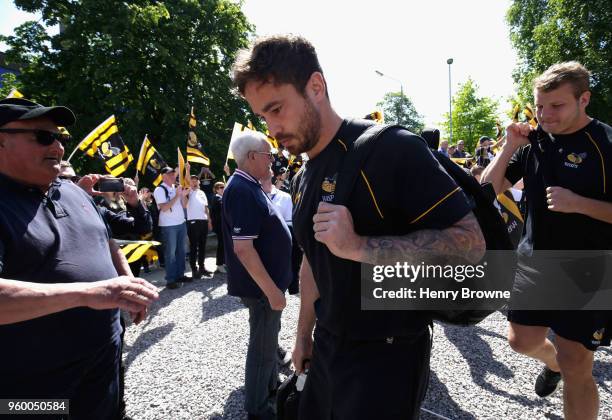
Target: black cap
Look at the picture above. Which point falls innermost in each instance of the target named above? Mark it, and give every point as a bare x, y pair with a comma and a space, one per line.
483, 139
18, 109
166, 170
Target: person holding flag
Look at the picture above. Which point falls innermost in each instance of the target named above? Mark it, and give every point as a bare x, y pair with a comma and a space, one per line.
171, 201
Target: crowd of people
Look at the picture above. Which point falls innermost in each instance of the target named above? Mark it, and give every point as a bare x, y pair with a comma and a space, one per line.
281, 230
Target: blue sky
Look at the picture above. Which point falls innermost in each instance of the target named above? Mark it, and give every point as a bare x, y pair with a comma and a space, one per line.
407, 40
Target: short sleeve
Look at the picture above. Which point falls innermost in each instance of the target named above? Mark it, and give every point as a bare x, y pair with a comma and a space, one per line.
426, 195
244, 212
160, 196
516, 166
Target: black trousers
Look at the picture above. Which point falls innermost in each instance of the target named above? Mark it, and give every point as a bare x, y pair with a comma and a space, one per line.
296, 262
90, 383
220, 248
383, 379
197, 231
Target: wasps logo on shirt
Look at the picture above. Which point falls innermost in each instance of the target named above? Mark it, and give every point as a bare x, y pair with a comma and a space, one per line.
575, 159
598, 335
329, 187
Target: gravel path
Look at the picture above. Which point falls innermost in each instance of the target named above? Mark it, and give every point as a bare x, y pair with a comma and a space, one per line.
186, 361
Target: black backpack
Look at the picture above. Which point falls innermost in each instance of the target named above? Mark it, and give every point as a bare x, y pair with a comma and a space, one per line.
481, 196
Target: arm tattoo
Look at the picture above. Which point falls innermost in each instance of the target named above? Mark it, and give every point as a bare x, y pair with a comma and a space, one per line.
459, 243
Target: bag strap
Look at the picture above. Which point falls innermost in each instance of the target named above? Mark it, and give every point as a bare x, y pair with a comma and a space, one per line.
357, 153
542, 147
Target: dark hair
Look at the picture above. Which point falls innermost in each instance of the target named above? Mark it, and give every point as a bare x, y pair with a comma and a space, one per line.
277, 59
432, 137
571, 72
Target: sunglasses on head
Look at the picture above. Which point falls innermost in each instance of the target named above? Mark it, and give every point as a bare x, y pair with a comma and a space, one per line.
43, 137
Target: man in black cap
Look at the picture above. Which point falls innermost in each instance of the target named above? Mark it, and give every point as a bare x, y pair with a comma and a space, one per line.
62, 279
483, 152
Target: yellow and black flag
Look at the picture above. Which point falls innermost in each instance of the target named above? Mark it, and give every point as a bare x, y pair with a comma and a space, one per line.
134, 250
530, 116
515, 113
194, 147
184, 177
376, 116
150, 161
14, 93
105, 143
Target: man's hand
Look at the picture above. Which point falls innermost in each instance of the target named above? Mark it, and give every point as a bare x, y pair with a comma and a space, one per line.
277, 299
302, 351
210, 226
131, 195
333, 226
87, 183
516, 135
562, 200
128, 293
138, 317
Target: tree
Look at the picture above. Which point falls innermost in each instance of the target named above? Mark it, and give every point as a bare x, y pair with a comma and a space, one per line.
545, 32
145, 61
9, 82
399, 109
473, 116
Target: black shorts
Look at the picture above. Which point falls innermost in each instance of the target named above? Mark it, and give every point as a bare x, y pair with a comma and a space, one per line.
378, 379
590, 328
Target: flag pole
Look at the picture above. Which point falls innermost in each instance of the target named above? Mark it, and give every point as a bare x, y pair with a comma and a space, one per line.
74, 151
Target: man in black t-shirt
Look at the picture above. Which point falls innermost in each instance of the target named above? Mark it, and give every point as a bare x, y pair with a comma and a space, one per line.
569, 207
364, 364
62, 278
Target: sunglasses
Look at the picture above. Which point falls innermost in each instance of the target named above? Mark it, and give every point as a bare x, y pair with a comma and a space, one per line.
73, 179
43, 137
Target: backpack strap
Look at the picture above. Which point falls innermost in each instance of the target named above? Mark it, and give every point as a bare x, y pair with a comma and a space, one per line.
357, 153
542, 147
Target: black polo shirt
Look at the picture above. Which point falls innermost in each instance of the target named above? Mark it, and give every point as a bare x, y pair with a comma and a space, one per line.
58, 237
248, 214
402, 189
582, 163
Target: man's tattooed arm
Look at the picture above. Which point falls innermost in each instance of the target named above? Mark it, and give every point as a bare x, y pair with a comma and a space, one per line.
461, 242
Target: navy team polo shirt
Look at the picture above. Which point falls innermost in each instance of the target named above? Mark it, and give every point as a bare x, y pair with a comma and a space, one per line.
55, 238
248, 214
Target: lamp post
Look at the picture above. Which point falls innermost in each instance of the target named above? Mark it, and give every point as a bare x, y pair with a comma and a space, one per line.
399, 104
450, 106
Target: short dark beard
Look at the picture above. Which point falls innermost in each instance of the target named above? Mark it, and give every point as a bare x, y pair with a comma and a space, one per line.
309, 130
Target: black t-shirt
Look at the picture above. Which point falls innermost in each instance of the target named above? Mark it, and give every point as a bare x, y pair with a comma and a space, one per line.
58, 237
582, 163
402, 189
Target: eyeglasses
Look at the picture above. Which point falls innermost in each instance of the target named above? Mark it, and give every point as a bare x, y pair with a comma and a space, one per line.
43, 137
269, 154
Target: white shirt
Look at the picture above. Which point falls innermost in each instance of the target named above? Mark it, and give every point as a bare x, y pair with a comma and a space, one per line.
174, 216
283, 202
196, 206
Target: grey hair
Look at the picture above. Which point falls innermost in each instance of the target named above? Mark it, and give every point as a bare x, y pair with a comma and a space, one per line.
246, 142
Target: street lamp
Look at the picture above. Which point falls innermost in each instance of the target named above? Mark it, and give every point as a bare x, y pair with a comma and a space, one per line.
450, 106
381, 74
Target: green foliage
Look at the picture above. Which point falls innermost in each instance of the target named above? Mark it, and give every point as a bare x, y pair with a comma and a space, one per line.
145, 61
9, 82
545, 32
473, 116
398, 109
